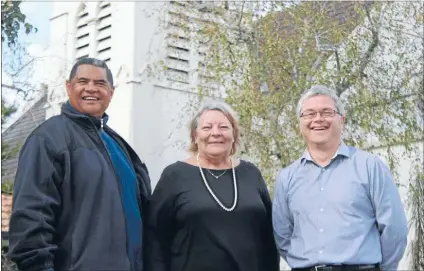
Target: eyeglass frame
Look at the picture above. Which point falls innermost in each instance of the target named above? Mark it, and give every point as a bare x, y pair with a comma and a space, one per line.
334, 112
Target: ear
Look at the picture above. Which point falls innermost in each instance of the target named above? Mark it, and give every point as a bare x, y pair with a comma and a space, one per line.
194, 137
68, 86
112, 91
342, 121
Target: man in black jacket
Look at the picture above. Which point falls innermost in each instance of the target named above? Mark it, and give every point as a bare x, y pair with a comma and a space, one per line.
80, 190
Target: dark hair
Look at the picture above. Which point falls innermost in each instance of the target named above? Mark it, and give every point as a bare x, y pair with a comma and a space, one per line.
94, 62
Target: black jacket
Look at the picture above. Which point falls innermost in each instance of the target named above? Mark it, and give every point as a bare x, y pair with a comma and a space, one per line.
67, 209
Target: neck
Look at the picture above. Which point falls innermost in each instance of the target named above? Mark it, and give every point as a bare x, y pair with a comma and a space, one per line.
322, 154
214, 162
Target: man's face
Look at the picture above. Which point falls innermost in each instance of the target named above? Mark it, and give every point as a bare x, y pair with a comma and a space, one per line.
89, 91
324, 128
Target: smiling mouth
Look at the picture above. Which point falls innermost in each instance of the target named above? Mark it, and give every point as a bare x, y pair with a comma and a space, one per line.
90, 98
319, 129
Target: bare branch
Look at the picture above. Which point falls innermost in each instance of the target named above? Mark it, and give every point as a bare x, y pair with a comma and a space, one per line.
24, 66
316, 65
19, 90
364, 61
295, 68
241, 15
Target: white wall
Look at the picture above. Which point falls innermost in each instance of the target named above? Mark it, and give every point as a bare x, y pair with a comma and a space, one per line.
405, 173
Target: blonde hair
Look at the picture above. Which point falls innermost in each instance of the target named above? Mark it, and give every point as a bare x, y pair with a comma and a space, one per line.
228, 112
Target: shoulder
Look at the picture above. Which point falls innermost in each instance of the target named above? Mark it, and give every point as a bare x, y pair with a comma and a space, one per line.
246, 165
286, 175
176, 171
365, 158
288, 171
48, 131
176, 167
48, 126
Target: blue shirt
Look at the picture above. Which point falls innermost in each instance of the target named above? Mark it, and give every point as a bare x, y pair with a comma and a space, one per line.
128, 184
348, 212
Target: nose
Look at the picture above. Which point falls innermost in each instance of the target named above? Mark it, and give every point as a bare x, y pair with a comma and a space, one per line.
90, 87
318, 117
215, 131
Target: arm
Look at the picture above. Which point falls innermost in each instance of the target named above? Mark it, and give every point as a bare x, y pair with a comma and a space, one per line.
281, 218
159, 232
390, 215
36, 205
271, 253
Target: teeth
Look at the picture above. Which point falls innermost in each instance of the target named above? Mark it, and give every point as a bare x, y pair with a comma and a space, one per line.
89, 98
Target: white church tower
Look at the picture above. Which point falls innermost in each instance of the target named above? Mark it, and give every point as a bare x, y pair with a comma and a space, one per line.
155, 63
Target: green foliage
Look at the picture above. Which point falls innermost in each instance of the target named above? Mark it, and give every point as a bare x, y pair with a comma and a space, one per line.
7, 187
6, 111
362, 50
417, 207
6, 264
6, 150
11, 20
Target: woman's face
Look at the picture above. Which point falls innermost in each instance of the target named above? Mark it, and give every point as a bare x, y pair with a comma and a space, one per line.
214, 135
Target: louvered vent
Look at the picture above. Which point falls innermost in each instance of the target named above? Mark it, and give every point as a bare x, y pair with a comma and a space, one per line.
185, 50
104, 32
82, 37
178, 45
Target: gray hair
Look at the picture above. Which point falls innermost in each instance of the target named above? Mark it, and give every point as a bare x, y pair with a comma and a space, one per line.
320, 90
224, 108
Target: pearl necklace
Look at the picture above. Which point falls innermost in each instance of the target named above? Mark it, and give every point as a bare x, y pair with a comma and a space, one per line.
211, 192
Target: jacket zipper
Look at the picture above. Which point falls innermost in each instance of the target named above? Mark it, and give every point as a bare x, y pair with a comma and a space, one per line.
119, 184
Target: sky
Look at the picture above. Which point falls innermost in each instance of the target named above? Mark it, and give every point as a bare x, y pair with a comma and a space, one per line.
38, 14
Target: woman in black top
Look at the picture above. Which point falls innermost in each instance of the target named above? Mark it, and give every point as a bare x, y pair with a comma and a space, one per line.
211, 212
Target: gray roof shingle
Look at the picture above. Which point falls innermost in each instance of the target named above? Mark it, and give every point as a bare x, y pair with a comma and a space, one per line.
17, 133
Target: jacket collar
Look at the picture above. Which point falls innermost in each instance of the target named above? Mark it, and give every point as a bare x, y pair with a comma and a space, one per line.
84, 119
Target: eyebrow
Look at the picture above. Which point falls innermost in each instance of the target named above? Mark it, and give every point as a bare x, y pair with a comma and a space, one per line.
100, 81
95, 81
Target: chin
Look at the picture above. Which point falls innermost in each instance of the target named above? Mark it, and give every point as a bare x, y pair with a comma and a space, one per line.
318, 141
218, 152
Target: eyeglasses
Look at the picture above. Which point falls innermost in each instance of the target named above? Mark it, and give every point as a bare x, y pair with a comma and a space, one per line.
325, 113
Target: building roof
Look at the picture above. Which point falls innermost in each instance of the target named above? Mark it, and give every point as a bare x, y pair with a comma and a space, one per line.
14, 137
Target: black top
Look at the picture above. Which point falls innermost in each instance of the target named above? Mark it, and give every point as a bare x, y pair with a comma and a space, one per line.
189, 231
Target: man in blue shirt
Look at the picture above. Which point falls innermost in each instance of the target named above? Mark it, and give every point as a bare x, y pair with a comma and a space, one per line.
337, 207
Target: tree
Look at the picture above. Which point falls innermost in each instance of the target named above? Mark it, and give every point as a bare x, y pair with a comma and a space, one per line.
266, 63
266, 54
6, 187
11, 20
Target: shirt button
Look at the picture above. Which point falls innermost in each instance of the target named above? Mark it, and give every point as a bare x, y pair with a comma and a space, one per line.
321, 230
320, 252
321, 210
322, 189
323, 169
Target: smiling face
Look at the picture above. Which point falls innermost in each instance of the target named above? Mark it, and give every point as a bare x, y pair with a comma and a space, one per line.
321, 130
214, 135
89, 91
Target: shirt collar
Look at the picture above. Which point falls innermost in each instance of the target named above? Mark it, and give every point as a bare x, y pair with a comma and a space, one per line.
343, 150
